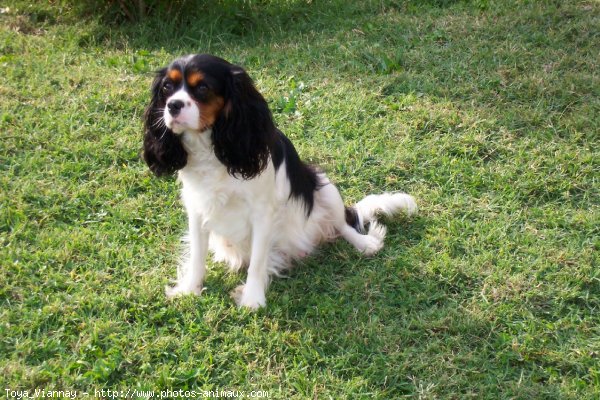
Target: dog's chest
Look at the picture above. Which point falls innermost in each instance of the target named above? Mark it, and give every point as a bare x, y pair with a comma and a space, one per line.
219, 200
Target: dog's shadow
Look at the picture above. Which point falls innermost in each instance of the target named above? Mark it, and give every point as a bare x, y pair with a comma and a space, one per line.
362, 313
336, 274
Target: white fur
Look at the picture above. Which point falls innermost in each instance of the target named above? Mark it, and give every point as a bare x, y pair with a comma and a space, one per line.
254, 223
188, 118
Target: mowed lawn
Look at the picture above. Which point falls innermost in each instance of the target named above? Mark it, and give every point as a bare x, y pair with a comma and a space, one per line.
488, 112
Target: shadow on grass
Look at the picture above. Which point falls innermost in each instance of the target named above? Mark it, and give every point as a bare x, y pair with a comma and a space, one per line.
204, 26
445, 49
381, 319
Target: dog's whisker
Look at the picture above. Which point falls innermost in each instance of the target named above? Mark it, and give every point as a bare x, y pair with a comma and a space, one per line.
164, 133
159, 123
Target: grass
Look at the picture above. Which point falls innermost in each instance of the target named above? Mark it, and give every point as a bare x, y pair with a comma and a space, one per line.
487, 112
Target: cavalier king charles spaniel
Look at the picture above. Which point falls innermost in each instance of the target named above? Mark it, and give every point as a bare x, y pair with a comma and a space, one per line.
249, 198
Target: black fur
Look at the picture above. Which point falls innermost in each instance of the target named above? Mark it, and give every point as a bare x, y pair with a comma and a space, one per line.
244, 133
303, 178
352, 219
163, 151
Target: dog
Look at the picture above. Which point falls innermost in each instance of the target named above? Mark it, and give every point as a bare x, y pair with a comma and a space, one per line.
249, 198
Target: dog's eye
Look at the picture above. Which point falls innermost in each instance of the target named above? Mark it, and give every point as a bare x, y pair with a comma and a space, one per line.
202, 90
168, 87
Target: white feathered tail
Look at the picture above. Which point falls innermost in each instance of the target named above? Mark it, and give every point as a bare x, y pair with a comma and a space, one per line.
387, 204
366, 211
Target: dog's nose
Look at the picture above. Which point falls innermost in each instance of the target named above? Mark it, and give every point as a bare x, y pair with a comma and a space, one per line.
175, 107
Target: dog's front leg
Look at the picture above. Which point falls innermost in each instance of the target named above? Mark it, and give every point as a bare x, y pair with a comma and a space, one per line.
191, 275
252, 294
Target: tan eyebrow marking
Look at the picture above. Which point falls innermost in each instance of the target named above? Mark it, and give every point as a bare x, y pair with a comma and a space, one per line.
174, 75
195, 78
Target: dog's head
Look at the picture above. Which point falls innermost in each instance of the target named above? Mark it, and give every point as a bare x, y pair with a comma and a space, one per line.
206, 95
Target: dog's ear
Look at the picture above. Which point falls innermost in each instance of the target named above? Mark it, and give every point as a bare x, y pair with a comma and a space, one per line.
163, 150
244, 132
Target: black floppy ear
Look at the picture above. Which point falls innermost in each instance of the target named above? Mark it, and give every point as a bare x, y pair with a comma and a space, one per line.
163, 151
244, 133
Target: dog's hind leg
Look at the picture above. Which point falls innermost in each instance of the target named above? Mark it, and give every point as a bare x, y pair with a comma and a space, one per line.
350, 221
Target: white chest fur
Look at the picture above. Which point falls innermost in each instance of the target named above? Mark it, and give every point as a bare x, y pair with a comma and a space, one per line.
224, 204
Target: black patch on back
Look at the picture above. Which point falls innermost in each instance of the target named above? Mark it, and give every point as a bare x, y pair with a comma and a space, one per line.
278, 150
352, 218
303, 178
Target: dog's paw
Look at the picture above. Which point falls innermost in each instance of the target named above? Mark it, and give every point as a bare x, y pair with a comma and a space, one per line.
373, 240
182, 290
372, 246
251, 299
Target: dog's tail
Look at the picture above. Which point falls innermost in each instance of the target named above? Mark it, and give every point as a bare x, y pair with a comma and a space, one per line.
387, 203
365, 212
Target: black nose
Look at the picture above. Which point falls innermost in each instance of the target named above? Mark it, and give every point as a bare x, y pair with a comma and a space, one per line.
175, 107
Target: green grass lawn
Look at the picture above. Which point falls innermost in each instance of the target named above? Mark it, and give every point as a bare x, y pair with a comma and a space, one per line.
488, 112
